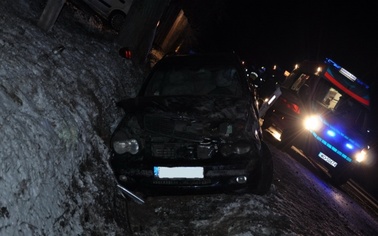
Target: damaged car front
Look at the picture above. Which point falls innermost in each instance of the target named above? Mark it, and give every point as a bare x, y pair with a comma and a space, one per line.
192, 128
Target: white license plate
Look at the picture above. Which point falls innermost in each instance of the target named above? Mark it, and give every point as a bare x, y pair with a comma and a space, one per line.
178, 172
327, 159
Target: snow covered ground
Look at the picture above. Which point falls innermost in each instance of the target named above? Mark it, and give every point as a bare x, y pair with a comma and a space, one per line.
57, 92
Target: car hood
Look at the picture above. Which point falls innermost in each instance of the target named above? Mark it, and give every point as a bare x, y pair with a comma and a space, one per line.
202, 107
192, 117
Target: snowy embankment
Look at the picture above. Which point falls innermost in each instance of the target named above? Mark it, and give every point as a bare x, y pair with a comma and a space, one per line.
57, 92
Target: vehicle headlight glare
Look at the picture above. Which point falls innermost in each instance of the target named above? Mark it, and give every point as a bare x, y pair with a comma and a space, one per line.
313, 123
361, 156
127, 145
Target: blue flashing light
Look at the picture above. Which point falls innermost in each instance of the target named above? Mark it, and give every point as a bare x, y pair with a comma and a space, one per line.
346, 73
331, 133
329, 61
350, 146
352, 142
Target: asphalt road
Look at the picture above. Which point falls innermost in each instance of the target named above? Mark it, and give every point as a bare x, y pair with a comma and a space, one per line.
353, 187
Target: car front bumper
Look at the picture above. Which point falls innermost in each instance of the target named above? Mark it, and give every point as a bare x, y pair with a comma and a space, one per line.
157, 179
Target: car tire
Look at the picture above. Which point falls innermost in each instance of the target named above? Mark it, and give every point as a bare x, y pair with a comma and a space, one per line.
339, 178
265, 173
116, 20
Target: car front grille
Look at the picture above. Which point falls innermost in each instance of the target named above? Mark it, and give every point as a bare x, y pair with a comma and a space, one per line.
171, 128
164, 150
176, 139
182, 150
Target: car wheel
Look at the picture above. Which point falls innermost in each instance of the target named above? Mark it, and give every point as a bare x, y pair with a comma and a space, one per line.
339, 178
265, 174
116, 20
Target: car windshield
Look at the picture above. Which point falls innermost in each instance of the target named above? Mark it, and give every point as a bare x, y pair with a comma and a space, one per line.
198, 81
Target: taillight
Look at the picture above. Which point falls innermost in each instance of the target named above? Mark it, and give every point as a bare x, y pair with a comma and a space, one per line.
292, 106
125, 53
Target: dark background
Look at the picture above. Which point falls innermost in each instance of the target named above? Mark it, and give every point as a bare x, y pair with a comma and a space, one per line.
288, 32
283, 33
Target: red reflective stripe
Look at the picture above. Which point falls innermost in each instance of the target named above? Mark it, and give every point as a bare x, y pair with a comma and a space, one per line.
346, 90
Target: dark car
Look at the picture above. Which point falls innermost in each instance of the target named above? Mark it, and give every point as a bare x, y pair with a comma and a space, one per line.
193, 128
113, 12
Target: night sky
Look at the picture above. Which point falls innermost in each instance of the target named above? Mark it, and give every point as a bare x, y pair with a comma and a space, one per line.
287, 32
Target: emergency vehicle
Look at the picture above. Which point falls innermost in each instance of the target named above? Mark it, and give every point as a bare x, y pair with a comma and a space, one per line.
324, 112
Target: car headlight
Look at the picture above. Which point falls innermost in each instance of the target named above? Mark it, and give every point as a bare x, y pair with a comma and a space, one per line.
122, 144
361, 156
238, 148
313, 123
